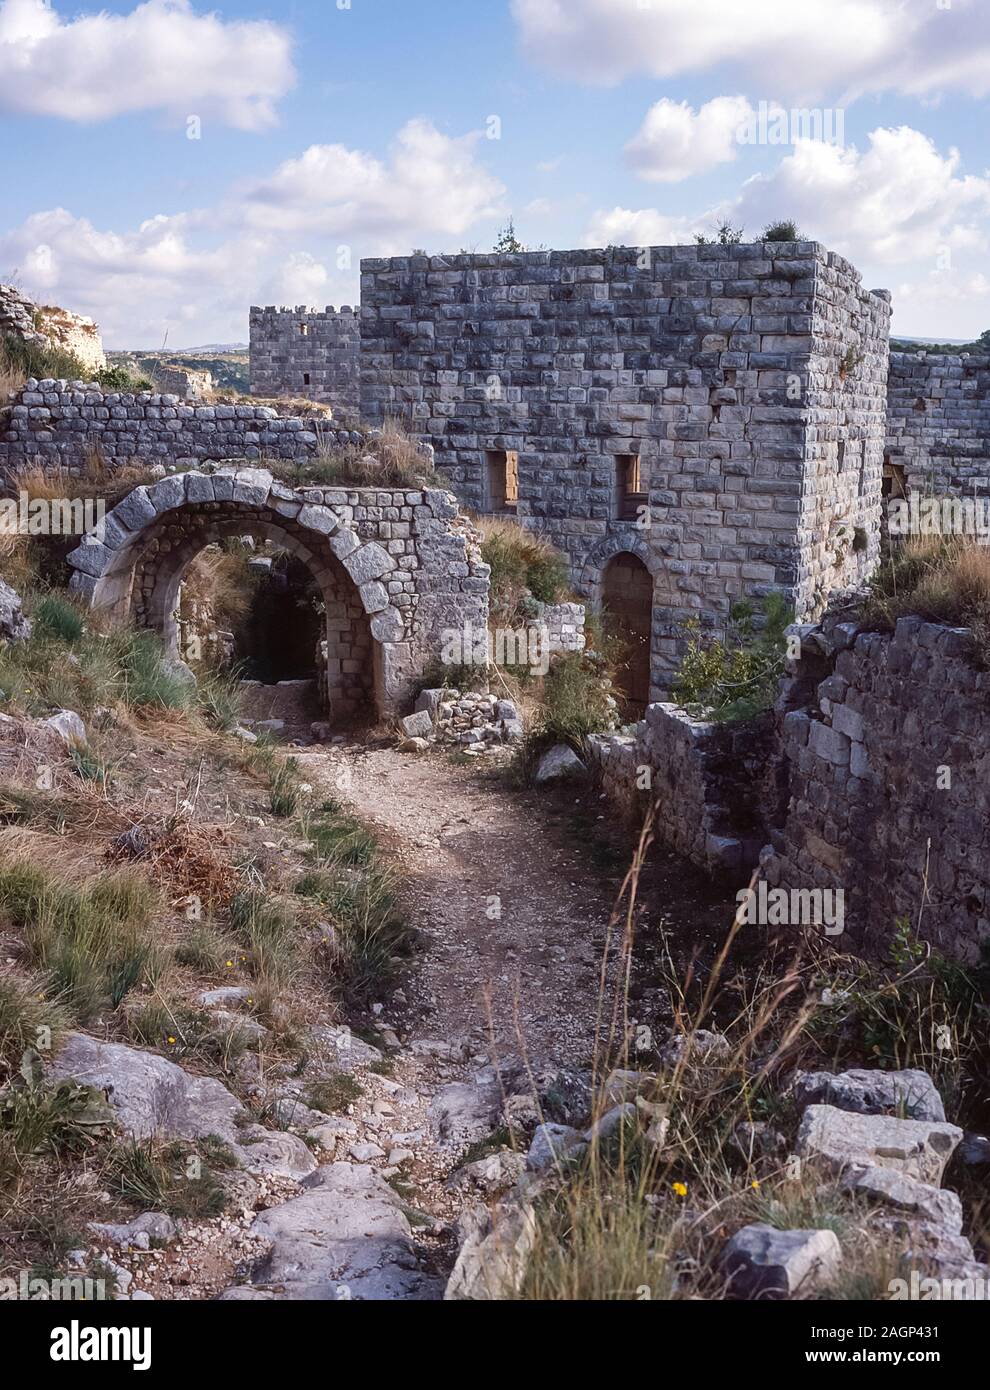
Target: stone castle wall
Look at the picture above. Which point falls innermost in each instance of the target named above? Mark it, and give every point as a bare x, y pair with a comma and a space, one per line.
734, 373
310, 354
185, 382
938, 422
49, 326
58, 423
889, 798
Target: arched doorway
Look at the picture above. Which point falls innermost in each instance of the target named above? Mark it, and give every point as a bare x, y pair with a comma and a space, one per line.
343, 658
133, 569
627, 601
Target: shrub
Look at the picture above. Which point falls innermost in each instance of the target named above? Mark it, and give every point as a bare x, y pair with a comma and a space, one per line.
21, 359
333, 1094
340, 838
28, 1019
58, 617
207, 951
370, 933
388, 459
148, 682
126, 665
268, 928
521, 561
120, 379
59, 1119
219, 698
577, 699
178, 1179
781, 231
736, 678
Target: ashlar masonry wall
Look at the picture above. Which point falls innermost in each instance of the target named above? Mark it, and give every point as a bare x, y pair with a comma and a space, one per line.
938, 423
712, 784
398, 569
748, 380
308, 353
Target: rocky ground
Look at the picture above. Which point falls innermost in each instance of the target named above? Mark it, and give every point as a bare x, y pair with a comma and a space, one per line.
474, 1090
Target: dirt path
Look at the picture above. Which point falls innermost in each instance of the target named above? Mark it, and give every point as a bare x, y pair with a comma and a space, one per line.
515, 917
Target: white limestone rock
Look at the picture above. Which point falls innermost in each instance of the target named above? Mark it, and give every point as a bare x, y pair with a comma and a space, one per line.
837, 1140
763, 1263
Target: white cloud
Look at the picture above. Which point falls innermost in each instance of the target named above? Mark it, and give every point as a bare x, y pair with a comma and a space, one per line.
801, 50
300, 279
162, 56
899, 200
198, 272
675, 141
894, 202
136, 283
645, 227
431, 184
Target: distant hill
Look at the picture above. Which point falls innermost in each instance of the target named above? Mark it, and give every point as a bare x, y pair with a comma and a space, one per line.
953, 346
229, 366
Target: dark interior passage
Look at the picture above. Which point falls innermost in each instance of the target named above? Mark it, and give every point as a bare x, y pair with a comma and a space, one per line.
278, 637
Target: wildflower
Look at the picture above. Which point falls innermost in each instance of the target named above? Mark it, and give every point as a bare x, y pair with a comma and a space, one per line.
680, 1190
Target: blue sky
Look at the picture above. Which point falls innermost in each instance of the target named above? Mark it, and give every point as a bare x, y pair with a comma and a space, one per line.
329, 133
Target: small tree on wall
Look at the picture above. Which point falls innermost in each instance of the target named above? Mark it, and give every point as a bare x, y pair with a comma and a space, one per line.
725, 235
507, 241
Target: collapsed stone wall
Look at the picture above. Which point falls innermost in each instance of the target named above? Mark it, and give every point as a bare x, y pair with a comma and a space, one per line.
185, 382
748, 380
889, 794
50, 326
938, 422
712, 784
564, 624
870, 777
58, 423
309, 353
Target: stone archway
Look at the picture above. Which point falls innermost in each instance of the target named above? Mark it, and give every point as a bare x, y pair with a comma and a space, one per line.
132, 568
350, 674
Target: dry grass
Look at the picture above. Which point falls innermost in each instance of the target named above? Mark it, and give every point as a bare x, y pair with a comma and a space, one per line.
13, 377
523, 564
646, 1216
96, 479
941, 579
389, 459
220, 581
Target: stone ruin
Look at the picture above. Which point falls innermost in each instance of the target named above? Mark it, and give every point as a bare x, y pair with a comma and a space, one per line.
309, 354
50, 327
396, 569
690, 425
938, 424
